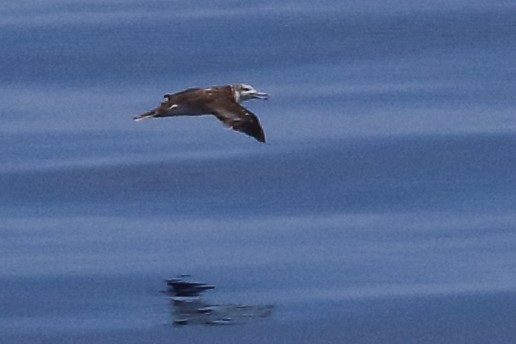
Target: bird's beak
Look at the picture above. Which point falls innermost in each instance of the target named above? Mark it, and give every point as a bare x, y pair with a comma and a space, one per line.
260, 95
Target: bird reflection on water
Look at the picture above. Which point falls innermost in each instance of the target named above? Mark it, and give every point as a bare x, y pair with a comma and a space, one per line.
189, 308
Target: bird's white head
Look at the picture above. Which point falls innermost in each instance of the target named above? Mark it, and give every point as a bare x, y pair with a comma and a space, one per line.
244, 92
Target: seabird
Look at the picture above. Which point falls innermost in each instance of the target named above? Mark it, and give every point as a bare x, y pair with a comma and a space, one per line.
221, 101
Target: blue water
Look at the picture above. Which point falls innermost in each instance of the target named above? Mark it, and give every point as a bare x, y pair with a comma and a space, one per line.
381, 209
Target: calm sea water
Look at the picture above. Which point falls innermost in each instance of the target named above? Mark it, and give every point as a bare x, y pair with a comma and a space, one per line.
381, 210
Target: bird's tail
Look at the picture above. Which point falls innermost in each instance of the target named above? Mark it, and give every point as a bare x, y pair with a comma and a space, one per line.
145, 115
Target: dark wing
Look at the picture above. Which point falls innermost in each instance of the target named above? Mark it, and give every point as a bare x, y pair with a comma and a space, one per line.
239, 118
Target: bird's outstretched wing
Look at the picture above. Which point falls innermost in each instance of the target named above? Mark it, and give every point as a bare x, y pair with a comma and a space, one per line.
240, 119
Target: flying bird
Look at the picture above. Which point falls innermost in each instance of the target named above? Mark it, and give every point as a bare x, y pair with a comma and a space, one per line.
221, 101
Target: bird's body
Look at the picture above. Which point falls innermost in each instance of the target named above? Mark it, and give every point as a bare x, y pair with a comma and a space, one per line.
221, 101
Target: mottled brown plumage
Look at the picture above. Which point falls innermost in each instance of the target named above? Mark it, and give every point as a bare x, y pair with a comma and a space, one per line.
220, 101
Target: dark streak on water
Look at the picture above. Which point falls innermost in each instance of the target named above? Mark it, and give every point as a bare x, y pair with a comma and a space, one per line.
431, 173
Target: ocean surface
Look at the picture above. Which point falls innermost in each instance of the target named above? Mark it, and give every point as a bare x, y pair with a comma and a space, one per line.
380, 210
